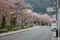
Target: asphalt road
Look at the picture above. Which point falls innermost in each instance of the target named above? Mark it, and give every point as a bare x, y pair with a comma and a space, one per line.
39, 33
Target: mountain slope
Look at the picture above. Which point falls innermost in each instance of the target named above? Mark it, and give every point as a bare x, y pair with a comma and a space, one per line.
40, 5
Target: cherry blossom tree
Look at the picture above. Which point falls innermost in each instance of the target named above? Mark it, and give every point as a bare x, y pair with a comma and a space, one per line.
8, 6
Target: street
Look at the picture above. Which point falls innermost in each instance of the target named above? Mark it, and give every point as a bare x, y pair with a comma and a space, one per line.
38, 33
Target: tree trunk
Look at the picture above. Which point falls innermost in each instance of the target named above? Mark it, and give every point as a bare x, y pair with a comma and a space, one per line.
13, 22
22, 24
3, 22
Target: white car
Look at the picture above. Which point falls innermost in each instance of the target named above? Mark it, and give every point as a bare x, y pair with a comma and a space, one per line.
53, 26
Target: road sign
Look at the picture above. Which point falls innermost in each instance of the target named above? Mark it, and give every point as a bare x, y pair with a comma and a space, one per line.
50, 9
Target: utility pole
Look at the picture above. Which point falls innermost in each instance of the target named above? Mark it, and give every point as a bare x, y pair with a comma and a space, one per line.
58, 19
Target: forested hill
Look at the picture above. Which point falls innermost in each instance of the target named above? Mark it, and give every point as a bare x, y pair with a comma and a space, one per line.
40, 5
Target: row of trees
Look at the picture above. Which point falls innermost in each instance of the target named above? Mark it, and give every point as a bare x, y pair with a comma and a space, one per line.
18, 12
10, 10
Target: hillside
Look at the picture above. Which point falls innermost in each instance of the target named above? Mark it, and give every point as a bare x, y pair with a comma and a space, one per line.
40, 5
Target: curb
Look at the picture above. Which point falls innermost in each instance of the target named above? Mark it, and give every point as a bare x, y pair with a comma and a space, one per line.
15, 32
54, 36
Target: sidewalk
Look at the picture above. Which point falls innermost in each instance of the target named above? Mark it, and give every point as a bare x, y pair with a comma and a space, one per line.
54, 36
14, 32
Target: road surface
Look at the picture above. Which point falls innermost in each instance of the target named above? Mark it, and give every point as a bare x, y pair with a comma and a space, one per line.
38, 33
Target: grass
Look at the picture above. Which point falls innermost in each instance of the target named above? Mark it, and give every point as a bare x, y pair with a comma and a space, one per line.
13, 28
3, 30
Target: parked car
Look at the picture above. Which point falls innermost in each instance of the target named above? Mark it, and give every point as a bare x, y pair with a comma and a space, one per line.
53, 26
